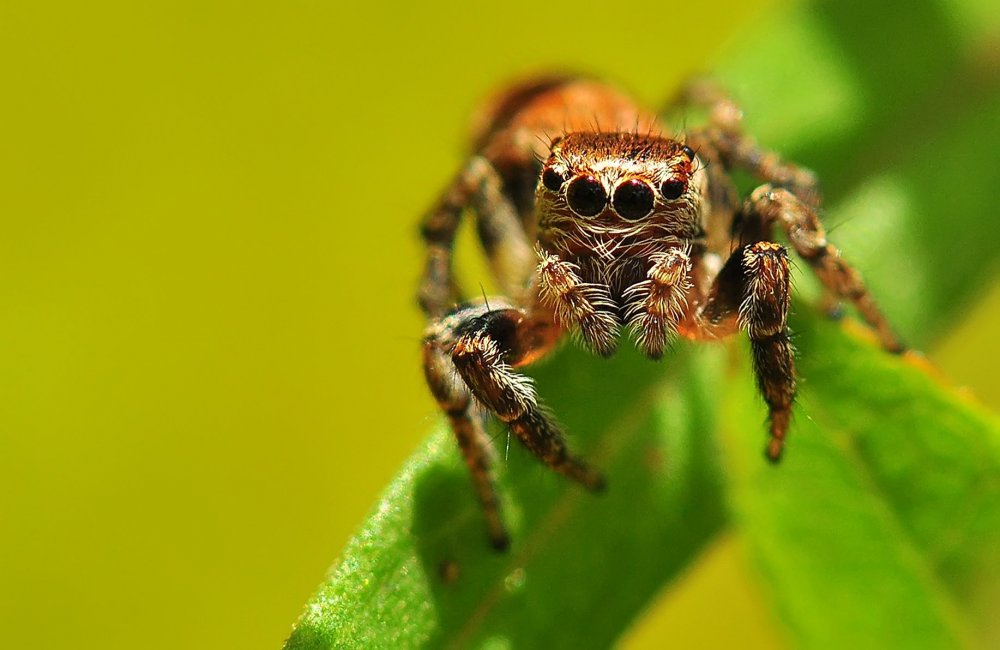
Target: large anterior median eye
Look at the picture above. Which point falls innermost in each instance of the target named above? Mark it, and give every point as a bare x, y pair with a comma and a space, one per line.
633, 199
586, 196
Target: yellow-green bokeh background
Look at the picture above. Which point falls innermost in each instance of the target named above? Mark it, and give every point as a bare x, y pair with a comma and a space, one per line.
208, 360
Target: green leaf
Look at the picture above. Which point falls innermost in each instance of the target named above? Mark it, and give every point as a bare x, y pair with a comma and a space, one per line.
884, 523
882, 526
420, 572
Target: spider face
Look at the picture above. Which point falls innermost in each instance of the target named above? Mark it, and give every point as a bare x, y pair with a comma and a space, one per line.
598, 189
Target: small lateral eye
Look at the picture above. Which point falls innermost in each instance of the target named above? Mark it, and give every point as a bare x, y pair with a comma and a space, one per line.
633, 199
586, 196
552, 179
688, 151
672, 189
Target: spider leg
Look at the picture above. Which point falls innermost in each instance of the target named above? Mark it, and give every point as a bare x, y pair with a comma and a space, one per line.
500, 230
575, 303
790, 197
455, 400
769, 205
725, 135
502, 235
487, 349
657, 304
483, 345
752, 292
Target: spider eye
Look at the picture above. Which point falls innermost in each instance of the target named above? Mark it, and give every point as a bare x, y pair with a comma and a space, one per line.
586, 196
552, 179
672, 189
633, 199
688, 151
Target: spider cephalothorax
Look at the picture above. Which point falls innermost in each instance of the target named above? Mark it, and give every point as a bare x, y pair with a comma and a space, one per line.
626, 229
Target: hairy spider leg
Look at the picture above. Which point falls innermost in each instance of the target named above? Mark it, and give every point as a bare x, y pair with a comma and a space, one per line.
752, 292
484, 345
764, 315
769, 205
455, 400
500, 230
735, 149
487, 349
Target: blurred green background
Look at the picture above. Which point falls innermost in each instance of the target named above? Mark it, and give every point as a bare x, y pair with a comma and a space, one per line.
207, 266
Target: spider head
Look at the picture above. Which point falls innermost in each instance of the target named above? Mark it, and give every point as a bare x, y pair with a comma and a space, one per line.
606, 185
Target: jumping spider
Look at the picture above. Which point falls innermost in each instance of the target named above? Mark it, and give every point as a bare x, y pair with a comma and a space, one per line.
596, 229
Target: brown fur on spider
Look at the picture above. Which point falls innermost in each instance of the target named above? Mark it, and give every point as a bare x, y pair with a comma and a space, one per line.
595, 231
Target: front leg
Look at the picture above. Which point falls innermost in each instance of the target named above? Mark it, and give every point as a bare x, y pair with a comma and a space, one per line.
588, 308
752, 292
454, 398
471, 353
486, 350
657, 304
764, 316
